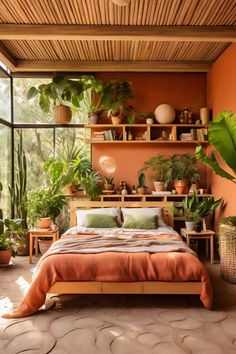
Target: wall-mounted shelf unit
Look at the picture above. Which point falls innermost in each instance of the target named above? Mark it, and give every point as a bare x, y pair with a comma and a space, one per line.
145, 133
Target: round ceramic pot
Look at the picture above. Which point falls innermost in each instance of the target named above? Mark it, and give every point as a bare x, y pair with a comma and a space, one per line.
93, 117
44, 245
62, 114
189, 225
141, 190
44, 223
5, 256
164, 114
181, 186
159, 186
116, 120
149, 121
108, 187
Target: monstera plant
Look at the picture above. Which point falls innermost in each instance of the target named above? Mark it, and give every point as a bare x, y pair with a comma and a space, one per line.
222, 135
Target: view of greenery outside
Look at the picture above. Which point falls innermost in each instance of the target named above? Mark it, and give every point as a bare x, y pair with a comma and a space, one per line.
38, 143
5, 167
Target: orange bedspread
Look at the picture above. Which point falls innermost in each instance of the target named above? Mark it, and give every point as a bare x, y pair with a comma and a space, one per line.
112, 266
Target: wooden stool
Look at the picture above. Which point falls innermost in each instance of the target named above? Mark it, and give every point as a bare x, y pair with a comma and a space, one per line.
42, 233
203, 235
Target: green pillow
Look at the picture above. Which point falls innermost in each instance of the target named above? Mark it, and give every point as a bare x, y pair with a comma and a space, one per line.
101, 221
135, 221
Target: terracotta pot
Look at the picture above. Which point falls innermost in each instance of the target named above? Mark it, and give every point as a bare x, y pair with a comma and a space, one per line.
61, 114
24, 249
141, 190
71, 189
116, 120
93, 117
5, 256
180, 186
44, 245
108, 187
44, 223
159, 186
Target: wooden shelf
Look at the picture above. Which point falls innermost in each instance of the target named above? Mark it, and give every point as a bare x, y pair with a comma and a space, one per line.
152, 133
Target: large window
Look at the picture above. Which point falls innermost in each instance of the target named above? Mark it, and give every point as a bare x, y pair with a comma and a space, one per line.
5, 167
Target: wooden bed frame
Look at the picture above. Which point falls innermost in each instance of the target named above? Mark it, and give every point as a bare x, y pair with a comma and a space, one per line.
142, 287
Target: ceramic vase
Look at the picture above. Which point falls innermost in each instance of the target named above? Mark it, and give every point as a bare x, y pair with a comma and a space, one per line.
164, 114
204, 115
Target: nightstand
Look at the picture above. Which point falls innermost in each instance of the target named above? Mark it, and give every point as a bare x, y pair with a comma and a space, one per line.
34, 234
207, 235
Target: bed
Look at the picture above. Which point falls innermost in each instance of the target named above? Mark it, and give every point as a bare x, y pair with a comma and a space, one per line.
163, 263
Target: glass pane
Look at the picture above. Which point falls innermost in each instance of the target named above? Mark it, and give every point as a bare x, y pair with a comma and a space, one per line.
68, 138
5, 168
38, 147
5, 97
28, 111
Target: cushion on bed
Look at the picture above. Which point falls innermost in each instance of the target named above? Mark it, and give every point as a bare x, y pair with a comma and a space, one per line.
101, 221
133, 221
81, 214
146, 211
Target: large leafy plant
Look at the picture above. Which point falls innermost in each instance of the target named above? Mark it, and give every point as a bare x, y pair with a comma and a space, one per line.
222, 135
181, 167
91, 95
60, 90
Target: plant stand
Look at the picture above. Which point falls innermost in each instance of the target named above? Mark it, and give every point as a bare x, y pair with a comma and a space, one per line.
34, 234
207, 235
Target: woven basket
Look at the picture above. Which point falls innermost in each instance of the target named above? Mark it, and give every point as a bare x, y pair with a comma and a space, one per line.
227, 247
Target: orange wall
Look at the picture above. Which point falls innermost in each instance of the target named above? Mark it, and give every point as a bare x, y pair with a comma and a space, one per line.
150, 90
221, 95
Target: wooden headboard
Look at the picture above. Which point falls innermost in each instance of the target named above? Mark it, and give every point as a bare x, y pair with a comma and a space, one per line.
167, 212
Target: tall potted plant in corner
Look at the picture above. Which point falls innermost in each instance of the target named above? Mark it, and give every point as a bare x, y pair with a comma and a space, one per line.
115, 98
59, 94
222, 135
157, 166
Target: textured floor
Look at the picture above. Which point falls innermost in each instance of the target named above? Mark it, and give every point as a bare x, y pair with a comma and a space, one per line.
118, 324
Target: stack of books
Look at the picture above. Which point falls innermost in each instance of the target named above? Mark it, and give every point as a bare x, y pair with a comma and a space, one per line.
186, 137
98, 136
199, 134
202, 134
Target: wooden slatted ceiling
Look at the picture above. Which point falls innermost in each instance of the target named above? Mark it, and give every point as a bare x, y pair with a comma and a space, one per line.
118, 50
103, 12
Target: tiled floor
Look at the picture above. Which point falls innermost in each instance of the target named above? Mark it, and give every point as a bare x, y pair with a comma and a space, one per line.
118, 324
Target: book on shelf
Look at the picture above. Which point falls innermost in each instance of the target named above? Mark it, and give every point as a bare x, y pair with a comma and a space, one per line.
98, 136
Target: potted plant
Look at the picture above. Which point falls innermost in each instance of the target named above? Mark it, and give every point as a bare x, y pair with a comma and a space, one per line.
108, 185
91, 96
115, 98
181, 168
157, 165
11, 239
194, 181
57, 94
44, 207
73, 170
141, 184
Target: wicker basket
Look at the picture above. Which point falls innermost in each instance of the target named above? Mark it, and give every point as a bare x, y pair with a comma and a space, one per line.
227, 247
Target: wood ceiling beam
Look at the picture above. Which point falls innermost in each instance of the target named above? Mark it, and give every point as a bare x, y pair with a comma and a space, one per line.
7, 58
112, 66
118, 33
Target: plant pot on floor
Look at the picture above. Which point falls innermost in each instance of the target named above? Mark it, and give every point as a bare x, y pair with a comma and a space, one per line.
189, 225
159, 186
62, 114
5, 256
181, 186
44, 223
227, 249
44, 245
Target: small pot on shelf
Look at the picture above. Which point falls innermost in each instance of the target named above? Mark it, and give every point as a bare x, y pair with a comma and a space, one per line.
159, 186
141, 190
181, 186
194, 188
93, 117
198, 226
108, 186
44, 223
